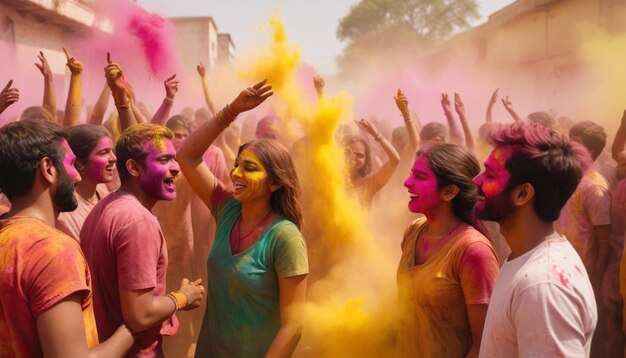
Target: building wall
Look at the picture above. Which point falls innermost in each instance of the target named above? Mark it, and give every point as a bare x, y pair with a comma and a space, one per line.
196, 42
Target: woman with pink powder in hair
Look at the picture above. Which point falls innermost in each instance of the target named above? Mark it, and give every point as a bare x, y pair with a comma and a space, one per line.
448, 267
95, 162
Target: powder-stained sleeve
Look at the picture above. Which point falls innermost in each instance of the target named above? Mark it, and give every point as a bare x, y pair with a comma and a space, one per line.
57, 270
290, 253
597, 204
218, 199
138, 246
478, 271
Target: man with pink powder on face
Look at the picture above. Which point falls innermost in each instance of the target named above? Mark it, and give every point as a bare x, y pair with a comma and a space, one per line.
126, 250
46, 304
542, 304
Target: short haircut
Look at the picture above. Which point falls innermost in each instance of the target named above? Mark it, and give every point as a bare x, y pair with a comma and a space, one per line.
134, 144
36, 113
543, 118
548, 161
23, 145
591, 135
84, 138
177, 122
432, 130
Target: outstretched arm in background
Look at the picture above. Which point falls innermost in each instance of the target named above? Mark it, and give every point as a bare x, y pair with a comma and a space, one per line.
455, 134
100, 108
381, 177
72, 106
403, 105
459, 107
492, 102
49, 96
189, 155
319, 84
163, 113
205, 88
8, 96
117, 83
620, 138
506, 102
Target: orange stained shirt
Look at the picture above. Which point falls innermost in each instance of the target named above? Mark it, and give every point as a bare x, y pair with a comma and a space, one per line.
39, 266
434, 295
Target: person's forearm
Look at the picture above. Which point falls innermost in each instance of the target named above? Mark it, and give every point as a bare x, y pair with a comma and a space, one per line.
601, 262
139, 117
124, 110
411, 131
207, 96
100, 108
162, 308
49, 96
285, 341
469, 137
72, 106
455, 134
620, 139
163, 113
489, 114
514, 114
116, 346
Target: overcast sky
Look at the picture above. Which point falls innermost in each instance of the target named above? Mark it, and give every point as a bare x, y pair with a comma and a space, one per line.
312, 24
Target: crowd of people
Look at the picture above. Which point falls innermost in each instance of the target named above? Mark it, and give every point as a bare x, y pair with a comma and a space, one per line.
109, 228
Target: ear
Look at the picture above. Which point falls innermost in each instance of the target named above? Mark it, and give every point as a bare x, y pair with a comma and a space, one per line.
449, 192
274, 187
80, 166
133, 167
48, 170
522, 194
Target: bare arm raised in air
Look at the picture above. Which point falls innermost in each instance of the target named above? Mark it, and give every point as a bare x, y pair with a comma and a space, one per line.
506, 102
381, 177
49, 96
403, 105
319, 84
100, 108
455, 134
117, 83
205, 88
163, 113
189, 155
459, 107
72, 105
620, 139
492, 102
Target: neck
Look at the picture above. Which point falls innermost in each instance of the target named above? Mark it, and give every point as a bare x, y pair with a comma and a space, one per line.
86, 188
524, 232
255, 211
135, 190
442, 222
35, 206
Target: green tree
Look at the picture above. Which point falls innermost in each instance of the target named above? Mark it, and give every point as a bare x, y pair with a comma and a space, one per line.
377, 27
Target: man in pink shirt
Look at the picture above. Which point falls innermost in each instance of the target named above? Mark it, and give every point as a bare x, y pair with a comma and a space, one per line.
126, 250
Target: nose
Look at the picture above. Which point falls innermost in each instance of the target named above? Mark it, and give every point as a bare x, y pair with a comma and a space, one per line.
476, 179
174, 168
112, 158
236, 172
407, 182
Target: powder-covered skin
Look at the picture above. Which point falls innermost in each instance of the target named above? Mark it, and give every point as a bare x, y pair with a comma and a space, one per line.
160, 169
68, 161
422, 187
492, 182
101, 161
249, 177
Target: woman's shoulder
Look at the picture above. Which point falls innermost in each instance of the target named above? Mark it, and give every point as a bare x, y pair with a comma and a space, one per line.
412, 230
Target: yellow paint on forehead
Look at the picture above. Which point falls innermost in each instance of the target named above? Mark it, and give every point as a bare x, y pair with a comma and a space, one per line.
249, 156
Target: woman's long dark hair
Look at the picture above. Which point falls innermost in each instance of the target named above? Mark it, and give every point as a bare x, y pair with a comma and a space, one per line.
455, 165
276, 160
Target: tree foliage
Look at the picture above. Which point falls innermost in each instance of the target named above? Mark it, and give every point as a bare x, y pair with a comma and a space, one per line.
384, 26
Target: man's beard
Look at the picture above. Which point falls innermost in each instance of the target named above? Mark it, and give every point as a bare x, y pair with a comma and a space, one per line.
496, 208
64, 198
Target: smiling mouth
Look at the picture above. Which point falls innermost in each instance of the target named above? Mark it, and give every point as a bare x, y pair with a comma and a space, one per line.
169, 181
239, 186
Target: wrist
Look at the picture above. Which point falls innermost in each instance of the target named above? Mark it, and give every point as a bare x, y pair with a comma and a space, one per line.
225, 116
169, 100
179, 298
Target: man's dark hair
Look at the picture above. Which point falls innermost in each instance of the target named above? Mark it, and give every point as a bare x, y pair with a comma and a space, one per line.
591, 135
23, 145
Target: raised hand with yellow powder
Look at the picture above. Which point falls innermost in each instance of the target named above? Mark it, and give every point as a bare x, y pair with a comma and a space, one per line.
72, 106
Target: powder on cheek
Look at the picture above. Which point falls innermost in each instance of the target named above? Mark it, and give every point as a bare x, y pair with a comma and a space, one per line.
68, 161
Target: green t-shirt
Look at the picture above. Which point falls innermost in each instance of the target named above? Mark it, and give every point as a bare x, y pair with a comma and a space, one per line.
243, 312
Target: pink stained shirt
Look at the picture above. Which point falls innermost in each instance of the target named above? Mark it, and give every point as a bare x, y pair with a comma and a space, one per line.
71, 222
39, 267
125, 249
589, 206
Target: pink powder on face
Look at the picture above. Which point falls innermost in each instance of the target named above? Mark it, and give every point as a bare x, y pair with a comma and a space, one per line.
422, 186
159, 166
496, 163
101, 160
68, 161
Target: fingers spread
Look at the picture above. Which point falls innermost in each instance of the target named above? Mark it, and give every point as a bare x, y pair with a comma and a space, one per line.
260, 84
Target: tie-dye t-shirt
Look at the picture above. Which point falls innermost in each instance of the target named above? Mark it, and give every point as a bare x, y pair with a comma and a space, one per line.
39, 267
243, 304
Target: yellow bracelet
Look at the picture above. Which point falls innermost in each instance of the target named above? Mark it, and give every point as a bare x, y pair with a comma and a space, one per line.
179, 298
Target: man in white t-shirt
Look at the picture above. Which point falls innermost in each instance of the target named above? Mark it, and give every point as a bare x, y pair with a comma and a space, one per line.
542, 304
